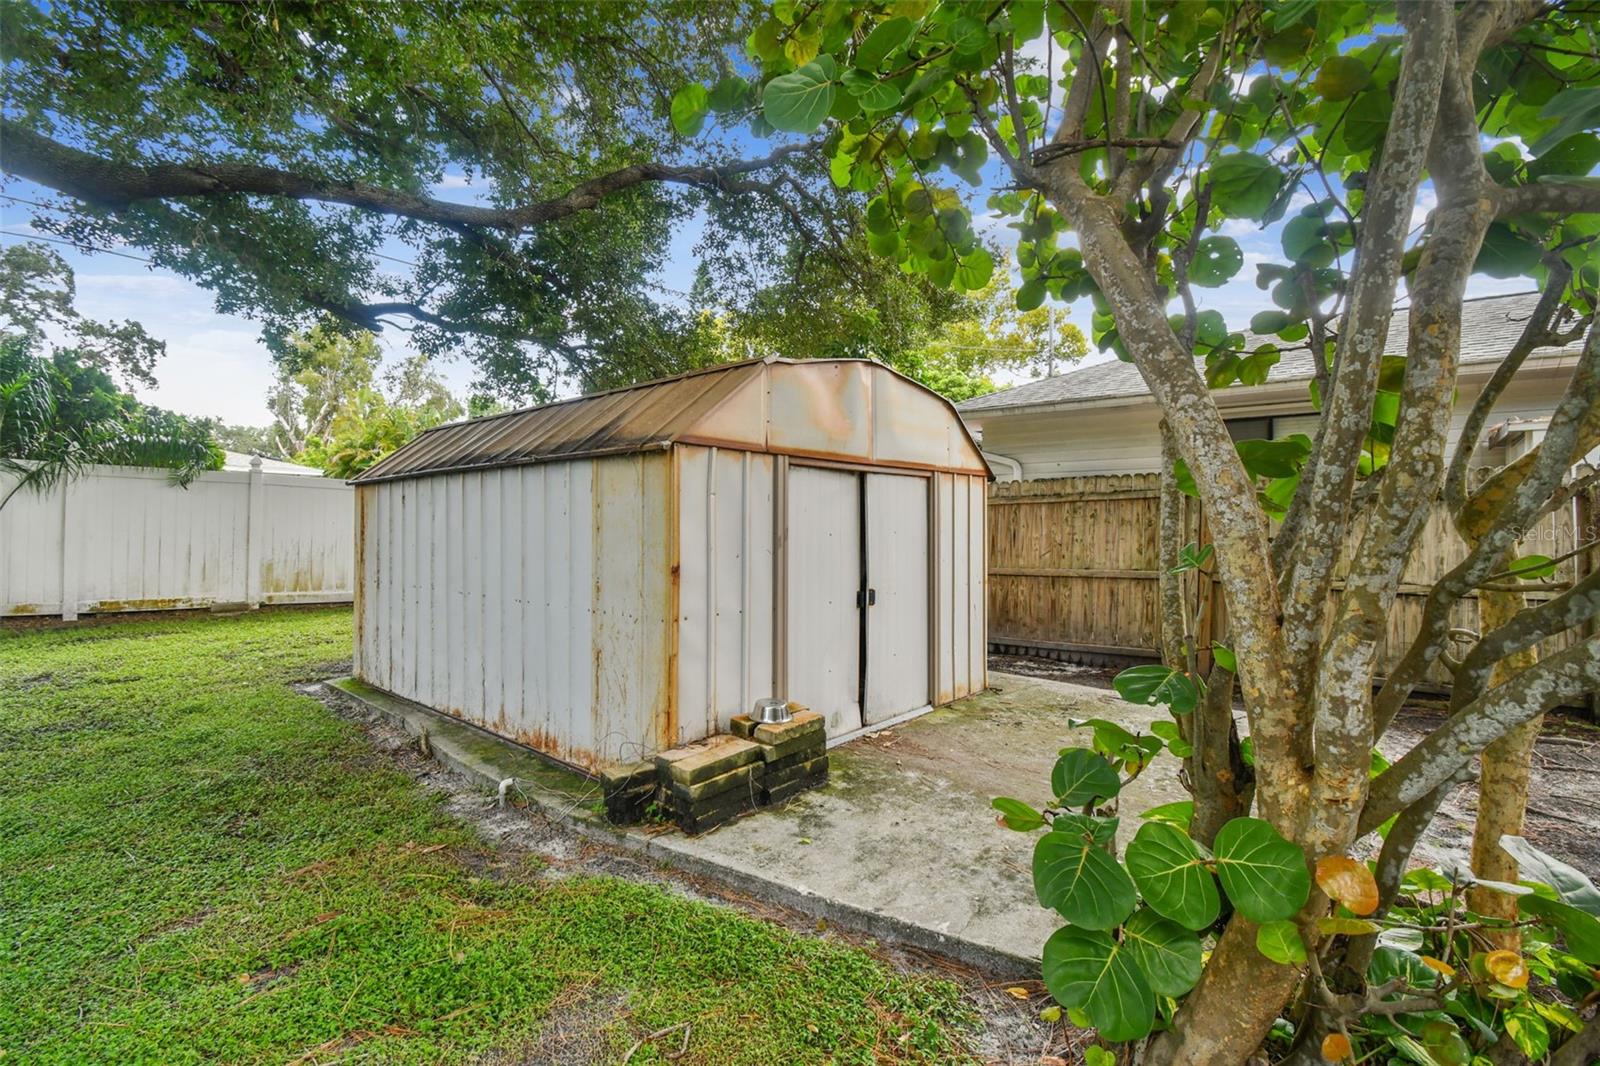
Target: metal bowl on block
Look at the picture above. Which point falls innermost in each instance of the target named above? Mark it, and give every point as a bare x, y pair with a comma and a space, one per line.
771, 711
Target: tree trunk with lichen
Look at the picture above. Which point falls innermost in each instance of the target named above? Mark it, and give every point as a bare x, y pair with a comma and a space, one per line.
1502, 782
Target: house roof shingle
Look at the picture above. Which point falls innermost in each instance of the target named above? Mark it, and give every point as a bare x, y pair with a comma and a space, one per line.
1490, 325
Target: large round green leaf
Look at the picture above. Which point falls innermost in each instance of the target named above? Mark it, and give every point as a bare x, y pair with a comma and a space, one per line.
1216, 259
1305, 241
1504, 254
729, 93
1167, 953
1172, 876
1263, 874
1367, 121
885, 37
1579, 929
1341, 77
1280, 942
975, 269
1157, 684
1030, 294
1080, 776
1093, 973
1244, 184
880, 97
1015, 814
1570, 883
689, 106
1074, 874
798, 102
1270, 321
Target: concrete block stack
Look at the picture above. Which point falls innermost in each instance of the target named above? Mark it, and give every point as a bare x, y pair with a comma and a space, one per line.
711, 782
629, 791
795, 753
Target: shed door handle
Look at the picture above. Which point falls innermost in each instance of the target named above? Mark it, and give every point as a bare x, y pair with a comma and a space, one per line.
871, 598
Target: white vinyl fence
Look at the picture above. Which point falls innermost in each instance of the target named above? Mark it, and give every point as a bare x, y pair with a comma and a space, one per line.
127, 539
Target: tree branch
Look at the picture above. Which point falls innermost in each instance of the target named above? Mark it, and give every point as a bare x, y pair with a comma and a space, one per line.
1573, 607
1535, 333
109, 183
1320, 528
1239, 526
1517, 492
1453, 745
1549, 197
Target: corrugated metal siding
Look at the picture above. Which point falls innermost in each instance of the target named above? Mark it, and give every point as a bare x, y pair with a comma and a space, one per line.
899, 562
532, 601
726, 601
823, 625
960, 633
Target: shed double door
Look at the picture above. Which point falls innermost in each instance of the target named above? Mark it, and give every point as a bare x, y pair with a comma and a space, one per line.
858, 575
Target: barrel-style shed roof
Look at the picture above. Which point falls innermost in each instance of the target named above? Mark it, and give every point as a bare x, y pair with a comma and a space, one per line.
851, 410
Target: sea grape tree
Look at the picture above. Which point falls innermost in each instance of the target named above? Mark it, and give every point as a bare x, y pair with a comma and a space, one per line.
1127, 143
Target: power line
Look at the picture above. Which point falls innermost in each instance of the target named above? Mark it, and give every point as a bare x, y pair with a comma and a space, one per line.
30, 203
79, 245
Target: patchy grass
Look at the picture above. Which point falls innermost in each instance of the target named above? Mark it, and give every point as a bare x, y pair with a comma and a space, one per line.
198, 864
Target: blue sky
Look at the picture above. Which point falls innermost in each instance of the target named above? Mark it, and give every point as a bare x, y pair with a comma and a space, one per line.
216, 365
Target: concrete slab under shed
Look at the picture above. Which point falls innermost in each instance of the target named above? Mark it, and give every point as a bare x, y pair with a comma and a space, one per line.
901, 843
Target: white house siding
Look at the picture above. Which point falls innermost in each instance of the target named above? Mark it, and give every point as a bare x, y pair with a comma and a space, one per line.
532, 600
127, 539
1126, 439
1076, 443
726, 572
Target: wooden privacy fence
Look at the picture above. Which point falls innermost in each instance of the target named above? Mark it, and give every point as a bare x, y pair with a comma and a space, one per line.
127, 539
1073, 569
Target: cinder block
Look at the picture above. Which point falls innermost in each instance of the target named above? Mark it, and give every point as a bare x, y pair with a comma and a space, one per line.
628, 806
746, 778
798, 770
696, 824
806, 746
711, 804
789, 762
628, 776
698, 817
803, 724
628, 790
693, 763
779, 793
742, 726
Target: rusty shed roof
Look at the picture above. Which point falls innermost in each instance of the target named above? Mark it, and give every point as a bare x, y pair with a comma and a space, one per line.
693, 408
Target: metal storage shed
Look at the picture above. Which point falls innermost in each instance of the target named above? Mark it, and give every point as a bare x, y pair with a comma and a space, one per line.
608, 576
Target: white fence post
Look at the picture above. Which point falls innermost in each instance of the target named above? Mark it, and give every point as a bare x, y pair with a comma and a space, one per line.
71, 554
255, 540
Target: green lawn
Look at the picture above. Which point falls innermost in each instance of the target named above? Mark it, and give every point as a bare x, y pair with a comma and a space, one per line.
197, 863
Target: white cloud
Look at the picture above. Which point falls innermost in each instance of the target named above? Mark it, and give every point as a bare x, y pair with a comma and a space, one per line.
1427, 200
